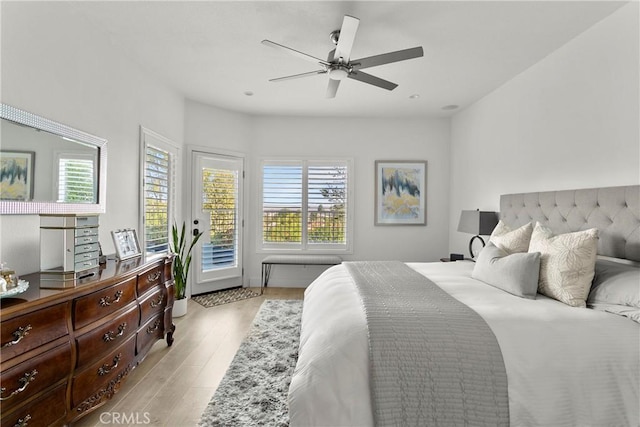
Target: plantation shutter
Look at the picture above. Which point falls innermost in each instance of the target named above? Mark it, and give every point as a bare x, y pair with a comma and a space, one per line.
76, 180
305, 205
282, 194
157, 191
327, 203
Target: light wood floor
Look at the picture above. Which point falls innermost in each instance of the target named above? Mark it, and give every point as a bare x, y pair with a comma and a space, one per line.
174, 384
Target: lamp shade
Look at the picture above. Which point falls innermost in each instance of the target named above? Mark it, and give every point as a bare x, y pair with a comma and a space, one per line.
478, 222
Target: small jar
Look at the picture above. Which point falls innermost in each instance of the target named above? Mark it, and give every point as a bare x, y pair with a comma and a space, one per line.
9, 276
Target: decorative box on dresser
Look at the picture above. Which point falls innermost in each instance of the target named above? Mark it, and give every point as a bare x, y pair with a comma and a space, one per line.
66, 351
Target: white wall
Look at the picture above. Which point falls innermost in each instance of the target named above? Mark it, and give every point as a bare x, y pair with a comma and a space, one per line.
570, 121
72, 75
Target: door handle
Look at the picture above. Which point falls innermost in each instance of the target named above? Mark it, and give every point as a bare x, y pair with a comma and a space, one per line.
195, 231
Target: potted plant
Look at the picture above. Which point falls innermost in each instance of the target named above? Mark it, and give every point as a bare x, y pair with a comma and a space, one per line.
181, 264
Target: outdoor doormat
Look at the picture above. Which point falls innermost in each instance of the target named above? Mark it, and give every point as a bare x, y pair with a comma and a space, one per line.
224, 297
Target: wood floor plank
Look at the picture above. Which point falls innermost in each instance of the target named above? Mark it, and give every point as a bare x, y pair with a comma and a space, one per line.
174, 384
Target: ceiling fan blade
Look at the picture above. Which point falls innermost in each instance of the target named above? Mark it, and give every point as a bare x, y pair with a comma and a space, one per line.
297, 76
346, 38
332, 89
372, 80
387, 58
295, 52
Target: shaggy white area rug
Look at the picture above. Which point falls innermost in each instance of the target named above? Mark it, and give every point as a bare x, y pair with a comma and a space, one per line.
254, 389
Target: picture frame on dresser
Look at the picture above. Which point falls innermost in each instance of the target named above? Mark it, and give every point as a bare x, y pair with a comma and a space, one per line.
126, 243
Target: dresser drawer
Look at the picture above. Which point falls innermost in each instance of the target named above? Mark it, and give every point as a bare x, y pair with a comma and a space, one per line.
150, 278
47, 410
97, 305
32, 330
100, 340
153, 303
33, 375
150, 332
102, 379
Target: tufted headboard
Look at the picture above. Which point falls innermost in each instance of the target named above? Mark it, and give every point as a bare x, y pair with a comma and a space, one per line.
614, 211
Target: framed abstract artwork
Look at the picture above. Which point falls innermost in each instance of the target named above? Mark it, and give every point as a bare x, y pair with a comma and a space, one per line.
16, 175
401, 192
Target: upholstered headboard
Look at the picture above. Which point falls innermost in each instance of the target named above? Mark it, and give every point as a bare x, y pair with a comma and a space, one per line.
614, 211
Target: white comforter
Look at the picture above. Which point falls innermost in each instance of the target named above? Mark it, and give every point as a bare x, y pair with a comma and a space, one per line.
565, 366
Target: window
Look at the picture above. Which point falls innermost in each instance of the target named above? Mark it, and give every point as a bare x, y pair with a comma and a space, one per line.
305, 205
158, 187
76, 178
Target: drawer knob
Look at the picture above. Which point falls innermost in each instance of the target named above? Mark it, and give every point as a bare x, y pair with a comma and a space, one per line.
155, 327
23, 422
106, 301
105, 369
110, 336
18, 335
23, 383
152, 277
157, 302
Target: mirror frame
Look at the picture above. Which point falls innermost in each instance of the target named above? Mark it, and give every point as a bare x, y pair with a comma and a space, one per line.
25, 118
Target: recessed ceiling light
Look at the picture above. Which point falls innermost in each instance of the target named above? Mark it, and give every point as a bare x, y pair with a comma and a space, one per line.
450, 107
248, 92
414, 96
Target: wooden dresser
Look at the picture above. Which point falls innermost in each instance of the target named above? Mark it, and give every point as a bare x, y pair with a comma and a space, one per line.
65, 352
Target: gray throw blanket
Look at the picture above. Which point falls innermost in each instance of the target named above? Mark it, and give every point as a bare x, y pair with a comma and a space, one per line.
433, 360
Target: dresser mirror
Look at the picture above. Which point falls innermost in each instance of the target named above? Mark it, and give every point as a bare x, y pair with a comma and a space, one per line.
47, 167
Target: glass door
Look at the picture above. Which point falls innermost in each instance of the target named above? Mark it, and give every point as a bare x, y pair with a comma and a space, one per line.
217, 212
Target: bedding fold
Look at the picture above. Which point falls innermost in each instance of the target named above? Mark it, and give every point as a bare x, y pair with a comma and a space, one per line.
435, 361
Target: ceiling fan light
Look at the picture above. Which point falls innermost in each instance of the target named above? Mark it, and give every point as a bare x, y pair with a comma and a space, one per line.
338, 73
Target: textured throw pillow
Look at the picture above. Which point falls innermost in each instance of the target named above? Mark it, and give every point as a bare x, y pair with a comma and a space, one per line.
511, 241
515, 273
567, 263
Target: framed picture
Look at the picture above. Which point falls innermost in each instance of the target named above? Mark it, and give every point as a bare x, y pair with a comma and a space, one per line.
126, 243
401, 192
16, 175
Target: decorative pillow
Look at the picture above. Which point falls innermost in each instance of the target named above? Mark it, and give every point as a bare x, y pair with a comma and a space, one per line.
515, 273
567, 263
615, 283
511, 241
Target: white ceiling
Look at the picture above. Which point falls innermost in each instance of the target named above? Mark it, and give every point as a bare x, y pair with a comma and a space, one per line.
211, 52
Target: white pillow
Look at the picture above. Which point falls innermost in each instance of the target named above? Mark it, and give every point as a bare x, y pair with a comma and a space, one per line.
567, 263
615, 283
511, 241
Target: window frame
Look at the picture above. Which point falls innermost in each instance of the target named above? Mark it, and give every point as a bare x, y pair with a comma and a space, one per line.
161, 143
305, 247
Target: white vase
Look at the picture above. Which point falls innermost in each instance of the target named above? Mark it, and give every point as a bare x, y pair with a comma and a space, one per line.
180, 307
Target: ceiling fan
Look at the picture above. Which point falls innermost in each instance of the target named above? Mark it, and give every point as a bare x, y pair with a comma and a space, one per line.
339, 64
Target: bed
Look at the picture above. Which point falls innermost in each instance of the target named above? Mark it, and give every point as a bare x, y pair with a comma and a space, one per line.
561, 360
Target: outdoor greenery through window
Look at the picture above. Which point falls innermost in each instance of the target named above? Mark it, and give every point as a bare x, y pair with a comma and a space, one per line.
220, 197
157, 203
305, 205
